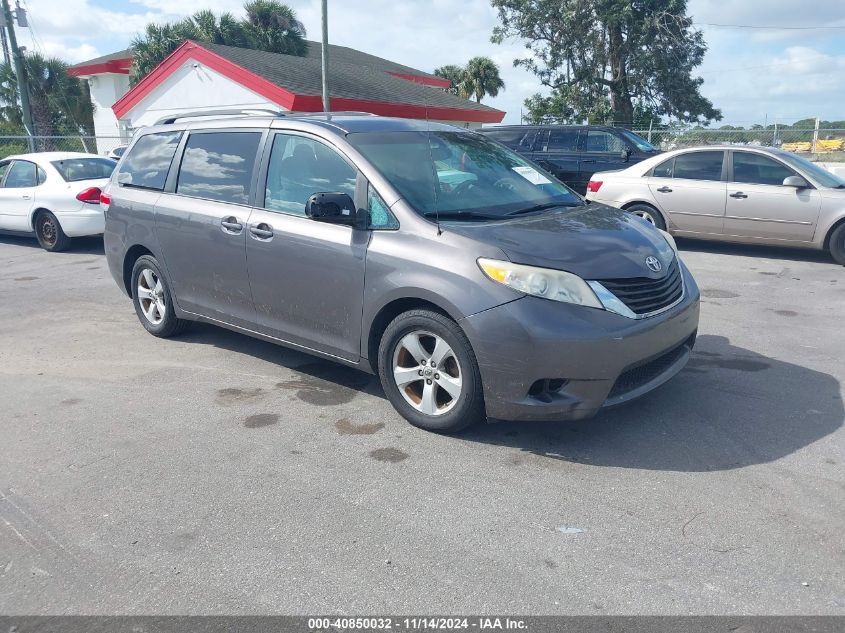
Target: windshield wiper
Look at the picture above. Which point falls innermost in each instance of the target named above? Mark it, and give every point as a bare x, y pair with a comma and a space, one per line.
460, 215
541, 207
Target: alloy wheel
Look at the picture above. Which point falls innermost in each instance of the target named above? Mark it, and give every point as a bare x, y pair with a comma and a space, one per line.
150, 294
427, 373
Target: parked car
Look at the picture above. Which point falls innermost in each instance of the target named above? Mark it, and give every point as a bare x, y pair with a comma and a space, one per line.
498, 293
748, 194
117, 152
574, 152
56, 195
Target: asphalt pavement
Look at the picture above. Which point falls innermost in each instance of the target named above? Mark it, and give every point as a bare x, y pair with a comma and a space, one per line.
216, 474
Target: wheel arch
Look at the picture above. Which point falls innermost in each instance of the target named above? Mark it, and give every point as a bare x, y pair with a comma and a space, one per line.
34, 213
651, 205
390, 311
132, 254
830, 230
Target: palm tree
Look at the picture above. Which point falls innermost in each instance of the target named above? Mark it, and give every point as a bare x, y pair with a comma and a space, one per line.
481, 78
269, 25
60, 104
272, 26
453, 73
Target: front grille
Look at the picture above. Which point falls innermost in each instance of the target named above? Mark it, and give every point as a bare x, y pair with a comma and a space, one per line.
642, 374
643, 295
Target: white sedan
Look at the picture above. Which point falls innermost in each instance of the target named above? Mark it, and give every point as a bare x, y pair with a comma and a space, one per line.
747, 194
56, 195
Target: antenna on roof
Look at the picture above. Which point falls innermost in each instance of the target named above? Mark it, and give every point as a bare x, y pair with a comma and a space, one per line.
325, 63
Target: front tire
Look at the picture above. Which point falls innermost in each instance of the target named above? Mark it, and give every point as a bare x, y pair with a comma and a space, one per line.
836, 244
49, 232
648, 213
153, 301
429, 373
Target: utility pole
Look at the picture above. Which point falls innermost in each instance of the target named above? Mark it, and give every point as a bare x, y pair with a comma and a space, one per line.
325, 49
20, 74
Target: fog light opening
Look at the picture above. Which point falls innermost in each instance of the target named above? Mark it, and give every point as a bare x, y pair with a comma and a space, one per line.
545, 389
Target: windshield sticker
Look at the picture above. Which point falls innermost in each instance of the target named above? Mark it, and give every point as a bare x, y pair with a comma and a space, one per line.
531, 175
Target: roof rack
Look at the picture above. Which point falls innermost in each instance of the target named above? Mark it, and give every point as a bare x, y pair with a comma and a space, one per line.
223, 112
168, 120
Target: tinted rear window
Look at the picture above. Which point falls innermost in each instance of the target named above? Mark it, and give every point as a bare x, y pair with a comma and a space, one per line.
699, 166
519, 138
73, 169
218, 165
148, 162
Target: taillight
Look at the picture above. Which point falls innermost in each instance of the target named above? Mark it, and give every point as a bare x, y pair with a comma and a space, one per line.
90, 195
594, 185
105, 201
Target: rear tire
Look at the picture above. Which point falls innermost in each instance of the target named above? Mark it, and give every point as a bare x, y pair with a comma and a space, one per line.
429, 373
836, 244
648, 213
49, 232
153, 301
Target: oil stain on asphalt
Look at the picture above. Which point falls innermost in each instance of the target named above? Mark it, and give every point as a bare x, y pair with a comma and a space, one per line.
261, 419
346, 427
324, 384
232, 395
786, 313
390, 454
26, 278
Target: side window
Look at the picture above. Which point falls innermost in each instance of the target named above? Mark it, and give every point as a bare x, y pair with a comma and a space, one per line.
300, 167
4, 167
757, 169
664, 169
380, 215
21, 174
42, 176
146, 166
603, 141
218, 165
699, 166
563, 140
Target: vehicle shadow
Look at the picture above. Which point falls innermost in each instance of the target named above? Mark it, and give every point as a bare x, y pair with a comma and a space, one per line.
755, 250
729, 408
92, 245
317, 380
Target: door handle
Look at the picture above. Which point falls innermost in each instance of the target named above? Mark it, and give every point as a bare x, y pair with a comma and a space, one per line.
739, 194
588, 160
27, 197
664, 189
231, 225
261, 231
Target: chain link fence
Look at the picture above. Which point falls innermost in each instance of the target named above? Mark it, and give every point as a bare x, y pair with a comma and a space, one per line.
827, 146
103, 145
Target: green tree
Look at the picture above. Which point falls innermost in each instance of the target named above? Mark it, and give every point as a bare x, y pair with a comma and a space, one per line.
453, 73
60, 104
481, 78
268, 26
627, 50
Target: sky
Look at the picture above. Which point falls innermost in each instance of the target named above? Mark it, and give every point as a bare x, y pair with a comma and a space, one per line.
754, 75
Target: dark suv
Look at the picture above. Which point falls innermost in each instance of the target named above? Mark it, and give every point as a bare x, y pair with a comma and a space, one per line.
573, 153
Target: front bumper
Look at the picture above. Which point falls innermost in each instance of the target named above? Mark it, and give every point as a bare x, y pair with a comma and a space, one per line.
86, 221
603, 359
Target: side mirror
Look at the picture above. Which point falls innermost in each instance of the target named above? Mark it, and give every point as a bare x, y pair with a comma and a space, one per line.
332, 208
625, 154
796, 181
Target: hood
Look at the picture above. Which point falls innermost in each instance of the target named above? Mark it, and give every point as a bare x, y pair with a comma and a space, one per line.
594, 241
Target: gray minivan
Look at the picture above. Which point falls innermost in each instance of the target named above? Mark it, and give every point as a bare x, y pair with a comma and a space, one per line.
473, 283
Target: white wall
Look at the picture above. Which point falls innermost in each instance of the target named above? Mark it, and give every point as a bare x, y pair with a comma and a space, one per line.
193, 87
105, 90
834, 168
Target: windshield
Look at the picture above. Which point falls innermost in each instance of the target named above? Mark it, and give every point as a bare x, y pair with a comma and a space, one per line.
73, 169
816, 172
460, 175
642, 144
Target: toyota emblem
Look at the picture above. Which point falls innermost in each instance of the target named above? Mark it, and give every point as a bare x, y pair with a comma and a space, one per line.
653, 263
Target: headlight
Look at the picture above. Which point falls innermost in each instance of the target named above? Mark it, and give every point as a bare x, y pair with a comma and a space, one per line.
556, 285
668, 237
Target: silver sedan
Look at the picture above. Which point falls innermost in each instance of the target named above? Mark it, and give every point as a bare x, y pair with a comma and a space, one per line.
747, 194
